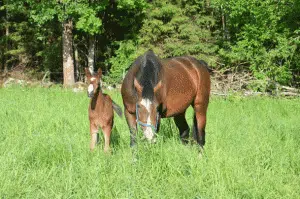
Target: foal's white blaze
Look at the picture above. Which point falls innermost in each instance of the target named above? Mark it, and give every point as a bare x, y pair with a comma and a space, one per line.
148, 132
90, 88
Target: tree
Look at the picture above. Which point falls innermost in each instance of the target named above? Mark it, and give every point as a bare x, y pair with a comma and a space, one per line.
170, 28
68, 12
259, 37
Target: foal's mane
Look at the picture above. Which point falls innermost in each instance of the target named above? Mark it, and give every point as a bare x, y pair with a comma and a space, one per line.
148, 75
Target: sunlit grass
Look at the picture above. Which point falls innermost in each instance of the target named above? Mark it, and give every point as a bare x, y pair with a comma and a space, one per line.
252, 151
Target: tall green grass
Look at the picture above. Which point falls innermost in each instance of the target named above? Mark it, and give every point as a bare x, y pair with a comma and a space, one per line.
252, 151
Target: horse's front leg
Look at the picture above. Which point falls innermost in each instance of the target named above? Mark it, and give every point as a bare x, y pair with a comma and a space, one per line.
183, 127
131, 122
94, 136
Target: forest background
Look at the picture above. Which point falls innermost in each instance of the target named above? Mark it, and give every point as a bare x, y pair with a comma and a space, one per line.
61, 37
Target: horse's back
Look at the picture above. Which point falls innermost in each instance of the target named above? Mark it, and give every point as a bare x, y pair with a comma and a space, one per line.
186, 62
187, 70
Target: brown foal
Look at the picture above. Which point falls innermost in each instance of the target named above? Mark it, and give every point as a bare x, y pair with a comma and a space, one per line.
100, 110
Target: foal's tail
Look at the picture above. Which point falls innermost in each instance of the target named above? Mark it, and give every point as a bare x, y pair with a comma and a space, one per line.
117, 109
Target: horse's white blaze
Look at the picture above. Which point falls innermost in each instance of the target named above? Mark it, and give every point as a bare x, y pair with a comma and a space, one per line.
90, 88
93, 78
148, 132
146, 103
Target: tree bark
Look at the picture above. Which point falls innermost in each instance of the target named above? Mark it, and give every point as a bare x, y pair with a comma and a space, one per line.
223, 23
68, 60
77, 66
6, 48
91, 53
5, 57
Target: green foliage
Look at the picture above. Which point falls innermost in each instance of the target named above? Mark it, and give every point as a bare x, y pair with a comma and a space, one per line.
178, 29
252, 151
84, 12
170, 29
262, 37
259, 38
125, 55
88, 22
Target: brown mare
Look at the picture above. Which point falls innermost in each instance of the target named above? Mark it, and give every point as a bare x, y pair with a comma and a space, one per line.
157, 88
100, 110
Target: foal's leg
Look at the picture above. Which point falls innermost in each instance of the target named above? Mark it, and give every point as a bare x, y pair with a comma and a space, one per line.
183, 127
93, 132
107, 132
199, 124
131, 121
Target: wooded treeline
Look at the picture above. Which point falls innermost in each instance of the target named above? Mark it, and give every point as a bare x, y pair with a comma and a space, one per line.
64, 36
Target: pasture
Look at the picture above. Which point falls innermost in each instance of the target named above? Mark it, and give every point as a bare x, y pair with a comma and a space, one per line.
252, 151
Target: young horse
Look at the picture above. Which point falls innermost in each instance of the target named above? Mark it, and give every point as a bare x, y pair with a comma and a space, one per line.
156, 88
100, 110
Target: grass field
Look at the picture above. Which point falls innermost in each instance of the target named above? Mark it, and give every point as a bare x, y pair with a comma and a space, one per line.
252, 151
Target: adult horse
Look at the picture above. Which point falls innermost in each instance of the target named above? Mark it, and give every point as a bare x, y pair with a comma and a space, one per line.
156, 88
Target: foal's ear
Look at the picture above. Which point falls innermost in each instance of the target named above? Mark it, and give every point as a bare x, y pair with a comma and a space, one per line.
87, 72
137, 85
99, 73
157, 87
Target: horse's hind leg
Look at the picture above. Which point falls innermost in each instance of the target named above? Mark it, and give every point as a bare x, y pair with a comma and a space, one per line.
183, 127
94, 136
199, 124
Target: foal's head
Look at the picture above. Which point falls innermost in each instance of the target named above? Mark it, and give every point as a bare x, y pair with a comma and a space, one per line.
94, 81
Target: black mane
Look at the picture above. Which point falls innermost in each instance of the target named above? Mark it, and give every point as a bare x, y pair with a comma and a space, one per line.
148, 75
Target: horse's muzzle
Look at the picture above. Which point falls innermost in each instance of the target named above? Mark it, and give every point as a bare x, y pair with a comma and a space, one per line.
90, 95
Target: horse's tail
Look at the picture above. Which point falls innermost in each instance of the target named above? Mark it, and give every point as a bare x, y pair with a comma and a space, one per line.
211, 71
117, 109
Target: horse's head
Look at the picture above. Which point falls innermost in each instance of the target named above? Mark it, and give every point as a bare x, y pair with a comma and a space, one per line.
147, 105
93, 81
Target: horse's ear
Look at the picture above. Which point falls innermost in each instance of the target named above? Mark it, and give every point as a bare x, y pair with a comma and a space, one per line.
87, 72
99, 73
137, 85
157, 87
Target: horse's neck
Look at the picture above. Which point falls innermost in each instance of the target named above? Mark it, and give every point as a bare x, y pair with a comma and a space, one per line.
97, 99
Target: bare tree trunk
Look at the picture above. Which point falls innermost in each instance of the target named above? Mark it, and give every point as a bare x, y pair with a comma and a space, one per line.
91, 53
5, 67
6, 48
223, 23
77, 66
68, 60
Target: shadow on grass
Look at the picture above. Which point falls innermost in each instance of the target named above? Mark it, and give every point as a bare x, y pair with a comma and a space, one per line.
115, 137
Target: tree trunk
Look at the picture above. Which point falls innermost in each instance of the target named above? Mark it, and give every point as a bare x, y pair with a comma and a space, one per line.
77, 66
68, 60
5, 60
223, 23
91, 53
